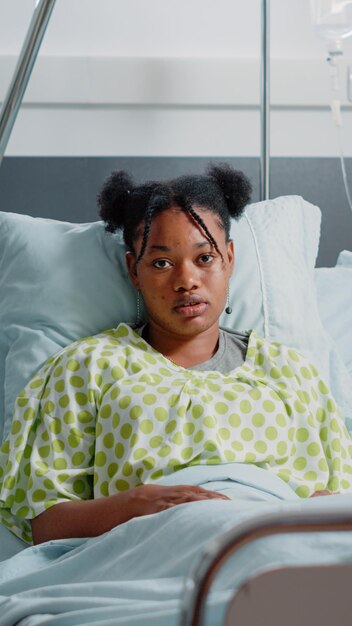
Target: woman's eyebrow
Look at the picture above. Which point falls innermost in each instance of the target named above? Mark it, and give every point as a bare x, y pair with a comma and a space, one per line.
162, 248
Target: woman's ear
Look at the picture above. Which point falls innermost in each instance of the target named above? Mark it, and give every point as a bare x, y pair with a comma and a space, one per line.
131, 263
231, 255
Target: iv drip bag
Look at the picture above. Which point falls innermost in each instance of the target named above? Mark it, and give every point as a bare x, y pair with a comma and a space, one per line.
332, 19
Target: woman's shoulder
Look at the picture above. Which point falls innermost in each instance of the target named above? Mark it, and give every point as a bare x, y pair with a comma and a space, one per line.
105, 340
273, 350
270, 346
81, 353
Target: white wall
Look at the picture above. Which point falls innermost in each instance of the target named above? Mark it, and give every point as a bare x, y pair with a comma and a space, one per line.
170, 77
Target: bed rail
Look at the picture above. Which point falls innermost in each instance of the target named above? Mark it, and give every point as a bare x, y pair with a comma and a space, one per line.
220, 549
23, 70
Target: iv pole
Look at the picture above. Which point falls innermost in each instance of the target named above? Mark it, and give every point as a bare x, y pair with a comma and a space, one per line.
36, 31
28, 55
265, 102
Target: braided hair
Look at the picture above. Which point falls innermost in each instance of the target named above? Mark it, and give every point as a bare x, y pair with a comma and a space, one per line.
124, 206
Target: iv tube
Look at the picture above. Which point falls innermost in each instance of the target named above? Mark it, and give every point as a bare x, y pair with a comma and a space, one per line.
332, 20
335, 105
343, 168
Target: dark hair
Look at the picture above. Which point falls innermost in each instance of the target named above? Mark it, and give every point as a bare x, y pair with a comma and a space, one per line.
222, 191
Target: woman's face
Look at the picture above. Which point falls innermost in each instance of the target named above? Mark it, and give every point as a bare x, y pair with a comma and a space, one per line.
181, 276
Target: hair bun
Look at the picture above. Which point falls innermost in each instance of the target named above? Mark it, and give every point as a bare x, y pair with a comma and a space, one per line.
235, 186
113, 200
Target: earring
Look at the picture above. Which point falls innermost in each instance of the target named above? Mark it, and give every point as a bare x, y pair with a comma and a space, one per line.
228, 309
138, 321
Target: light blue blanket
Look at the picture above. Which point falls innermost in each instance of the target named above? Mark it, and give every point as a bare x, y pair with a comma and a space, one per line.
134, 574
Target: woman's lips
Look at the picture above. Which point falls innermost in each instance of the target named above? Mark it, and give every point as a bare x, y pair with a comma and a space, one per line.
192, 309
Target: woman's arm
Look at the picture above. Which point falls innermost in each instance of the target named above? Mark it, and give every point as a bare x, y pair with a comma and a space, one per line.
90, 518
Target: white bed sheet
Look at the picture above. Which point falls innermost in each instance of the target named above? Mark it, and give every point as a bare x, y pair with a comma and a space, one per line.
135, 573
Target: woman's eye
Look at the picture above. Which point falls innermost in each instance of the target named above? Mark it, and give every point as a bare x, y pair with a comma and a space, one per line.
161, 264
206, 258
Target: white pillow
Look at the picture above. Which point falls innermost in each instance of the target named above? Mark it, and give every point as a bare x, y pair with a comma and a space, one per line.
61, 281
334, 294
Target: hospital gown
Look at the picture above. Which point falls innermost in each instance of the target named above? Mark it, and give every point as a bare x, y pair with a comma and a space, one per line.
109, 413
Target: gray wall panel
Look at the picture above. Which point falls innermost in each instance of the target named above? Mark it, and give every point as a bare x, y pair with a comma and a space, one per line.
66, 187
319, 180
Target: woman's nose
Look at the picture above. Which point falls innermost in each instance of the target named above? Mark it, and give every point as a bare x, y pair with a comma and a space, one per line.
186, 277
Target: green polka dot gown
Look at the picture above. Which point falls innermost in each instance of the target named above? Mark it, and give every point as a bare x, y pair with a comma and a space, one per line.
109, 413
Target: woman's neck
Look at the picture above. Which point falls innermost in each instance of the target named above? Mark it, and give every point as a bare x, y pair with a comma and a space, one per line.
184, 351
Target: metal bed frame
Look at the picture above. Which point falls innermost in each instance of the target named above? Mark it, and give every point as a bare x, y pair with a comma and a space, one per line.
249, 605
252, 605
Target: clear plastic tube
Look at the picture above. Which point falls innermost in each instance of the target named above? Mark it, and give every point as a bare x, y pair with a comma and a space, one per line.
332, 20
343, 166
336, 114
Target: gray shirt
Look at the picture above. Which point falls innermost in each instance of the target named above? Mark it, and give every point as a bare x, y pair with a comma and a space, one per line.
231, 352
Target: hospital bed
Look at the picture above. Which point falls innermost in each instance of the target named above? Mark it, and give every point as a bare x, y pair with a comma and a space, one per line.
278, 554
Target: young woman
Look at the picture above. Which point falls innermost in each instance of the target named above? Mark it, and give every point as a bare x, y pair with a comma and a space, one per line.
109, 416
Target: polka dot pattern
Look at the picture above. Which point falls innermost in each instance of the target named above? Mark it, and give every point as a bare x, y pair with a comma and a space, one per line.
89, 426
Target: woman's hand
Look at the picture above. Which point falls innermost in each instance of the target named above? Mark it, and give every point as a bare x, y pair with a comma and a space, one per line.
148, 499
324, 492
90, 518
